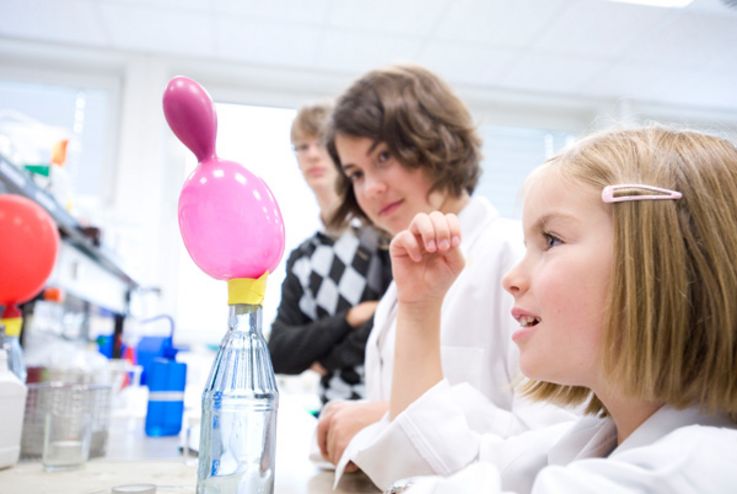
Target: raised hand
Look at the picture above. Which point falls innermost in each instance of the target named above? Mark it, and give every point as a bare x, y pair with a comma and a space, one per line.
426, 258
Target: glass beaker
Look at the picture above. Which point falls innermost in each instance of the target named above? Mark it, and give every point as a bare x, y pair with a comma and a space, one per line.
67, 430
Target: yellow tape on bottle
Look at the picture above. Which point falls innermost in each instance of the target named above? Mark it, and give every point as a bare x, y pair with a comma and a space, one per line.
247, 290
12, 325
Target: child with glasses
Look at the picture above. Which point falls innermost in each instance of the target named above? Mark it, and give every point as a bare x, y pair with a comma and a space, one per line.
333, 281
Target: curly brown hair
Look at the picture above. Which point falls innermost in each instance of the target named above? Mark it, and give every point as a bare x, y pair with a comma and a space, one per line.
421, 121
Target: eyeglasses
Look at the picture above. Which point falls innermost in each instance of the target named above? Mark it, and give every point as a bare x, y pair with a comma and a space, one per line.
304, 147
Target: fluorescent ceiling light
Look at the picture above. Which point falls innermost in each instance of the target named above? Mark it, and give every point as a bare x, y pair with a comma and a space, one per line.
673, 4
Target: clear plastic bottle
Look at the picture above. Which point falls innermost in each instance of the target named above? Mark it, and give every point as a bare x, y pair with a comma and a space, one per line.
45, 326
16, 362
239, 406
13, 321
12, 404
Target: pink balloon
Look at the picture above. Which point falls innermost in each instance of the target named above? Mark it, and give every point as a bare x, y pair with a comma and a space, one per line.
230, 222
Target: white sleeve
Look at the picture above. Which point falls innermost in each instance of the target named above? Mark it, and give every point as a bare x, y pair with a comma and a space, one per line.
693, 459
690, 459
479, 477
444, 430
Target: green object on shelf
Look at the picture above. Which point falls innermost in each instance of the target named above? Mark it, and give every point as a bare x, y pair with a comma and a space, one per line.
39, 169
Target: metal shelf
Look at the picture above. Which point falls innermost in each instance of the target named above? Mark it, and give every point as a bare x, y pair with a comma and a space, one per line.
19, 181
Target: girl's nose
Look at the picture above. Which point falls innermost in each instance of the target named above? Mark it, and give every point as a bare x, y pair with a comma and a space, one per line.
374, 185
315, 150
515, 282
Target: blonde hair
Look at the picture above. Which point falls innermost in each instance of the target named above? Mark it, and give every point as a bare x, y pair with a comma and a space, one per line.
310, 122
671, 320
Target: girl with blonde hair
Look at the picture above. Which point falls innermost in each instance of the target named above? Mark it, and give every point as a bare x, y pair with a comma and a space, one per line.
625, 304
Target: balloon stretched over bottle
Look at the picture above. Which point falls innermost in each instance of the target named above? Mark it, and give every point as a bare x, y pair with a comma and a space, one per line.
230, 222
29, 242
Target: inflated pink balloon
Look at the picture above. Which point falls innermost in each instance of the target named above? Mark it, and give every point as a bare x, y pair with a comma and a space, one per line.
230, 222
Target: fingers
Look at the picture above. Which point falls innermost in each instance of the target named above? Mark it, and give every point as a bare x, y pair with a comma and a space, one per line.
324, 425
454, 229
359, 314
318, 368
335, 440
455, 257
333, 453
405, 244
438, 232
455, 260
335, 444
422, 226
338, 441
433, 233
347, 419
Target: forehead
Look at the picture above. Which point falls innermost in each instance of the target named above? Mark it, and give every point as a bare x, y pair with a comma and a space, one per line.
354, 148
302, 135
549, 194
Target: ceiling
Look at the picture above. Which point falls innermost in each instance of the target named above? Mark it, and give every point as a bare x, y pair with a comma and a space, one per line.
590, 48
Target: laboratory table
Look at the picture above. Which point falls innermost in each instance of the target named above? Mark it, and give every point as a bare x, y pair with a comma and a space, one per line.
133, 458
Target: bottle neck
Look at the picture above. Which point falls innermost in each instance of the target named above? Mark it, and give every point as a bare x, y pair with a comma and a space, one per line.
12, 325
244, 317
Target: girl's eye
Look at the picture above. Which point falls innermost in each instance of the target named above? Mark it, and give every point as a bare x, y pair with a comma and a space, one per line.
355, 176
551, 240
383, 156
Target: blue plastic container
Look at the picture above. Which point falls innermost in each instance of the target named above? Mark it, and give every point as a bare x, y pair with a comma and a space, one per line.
166, 381
149, 348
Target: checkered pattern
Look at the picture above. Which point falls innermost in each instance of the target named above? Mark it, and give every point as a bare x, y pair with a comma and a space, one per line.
335, 275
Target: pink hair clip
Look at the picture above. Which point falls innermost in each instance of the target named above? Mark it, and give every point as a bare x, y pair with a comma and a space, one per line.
607, 193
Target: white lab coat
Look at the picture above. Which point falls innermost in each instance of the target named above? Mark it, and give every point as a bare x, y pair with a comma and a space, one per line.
476, 324
674, 451
478, 357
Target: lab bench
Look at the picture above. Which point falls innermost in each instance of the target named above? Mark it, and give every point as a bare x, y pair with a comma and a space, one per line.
134, 458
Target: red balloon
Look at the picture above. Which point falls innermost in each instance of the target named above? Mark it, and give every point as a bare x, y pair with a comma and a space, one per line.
29, 242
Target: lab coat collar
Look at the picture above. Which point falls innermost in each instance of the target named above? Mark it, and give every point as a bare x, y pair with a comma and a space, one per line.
666, 420
595, 437
591, 437
474, 218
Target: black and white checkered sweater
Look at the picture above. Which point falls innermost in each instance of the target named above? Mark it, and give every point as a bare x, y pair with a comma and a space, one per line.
326, 277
